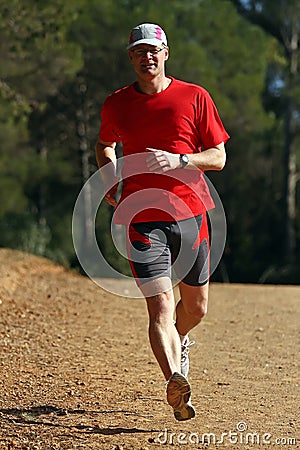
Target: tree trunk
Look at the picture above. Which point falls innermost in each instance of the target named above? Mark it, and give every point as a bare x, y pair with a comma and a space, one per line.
290, 155
289, 188
84, 145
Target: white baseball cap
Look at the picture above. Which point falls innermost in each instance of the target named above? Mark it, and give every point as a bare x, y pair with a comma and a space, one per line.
147, 33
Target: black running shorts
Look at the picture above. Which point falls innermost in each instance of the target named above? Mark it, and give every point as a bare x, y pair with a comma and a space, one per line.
165, 249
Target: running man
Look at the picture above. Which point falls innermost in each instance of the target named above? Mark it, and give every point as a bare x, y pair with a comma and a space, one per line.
171, 133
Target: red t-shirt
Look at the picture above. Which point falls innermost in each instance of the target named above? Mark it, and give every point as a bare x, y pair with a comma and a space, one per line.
180, 119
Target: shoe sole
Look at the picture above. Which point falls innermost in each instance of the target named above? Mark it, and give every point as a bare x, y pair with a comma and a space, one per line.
178, 396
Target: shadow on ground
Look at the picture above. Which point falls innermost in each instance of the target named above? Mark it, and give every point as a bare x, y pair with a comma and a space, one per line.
33, 416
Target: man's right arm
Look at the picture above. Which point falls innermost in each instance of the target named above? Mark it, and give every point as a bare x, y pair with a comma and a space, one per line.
106, 156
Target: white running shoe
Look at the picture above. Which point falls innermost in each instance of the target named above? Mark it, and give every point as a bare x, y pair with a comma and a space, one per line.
185, 362
178, 396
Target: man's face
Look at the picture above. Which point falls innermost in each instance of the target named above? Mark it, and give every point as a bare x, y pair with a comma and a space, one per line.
148, 60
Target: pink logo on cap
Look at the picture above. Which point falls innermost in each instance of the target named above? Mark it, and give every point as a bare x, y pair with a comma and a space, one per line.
158, 33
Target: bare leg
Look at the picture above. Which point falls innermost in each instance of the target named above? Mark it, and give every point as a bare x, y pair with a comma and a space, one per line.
164, 339
166, 346
192, 307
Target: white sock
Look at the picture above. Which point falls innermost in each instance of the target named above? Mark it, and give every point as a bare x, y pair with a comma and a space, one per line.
183, 338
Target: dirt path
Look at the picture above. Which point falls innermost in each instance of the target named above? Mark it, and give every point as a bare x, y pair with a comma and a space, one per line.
76, 370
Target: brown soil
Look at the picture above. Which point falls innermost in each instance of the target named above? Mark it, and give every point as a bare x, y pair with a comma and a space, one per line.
77, 372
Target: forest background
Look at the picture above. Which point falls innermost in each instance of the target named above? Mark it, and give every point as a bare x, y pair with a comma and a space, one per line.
60, 60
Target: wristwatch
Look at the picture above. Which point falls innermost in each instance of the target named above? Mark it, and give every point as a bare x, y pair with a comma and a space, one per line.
184, 160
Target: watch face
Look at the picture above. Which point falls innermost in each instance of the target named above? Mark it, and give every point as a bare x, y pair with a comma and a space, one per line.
184, 160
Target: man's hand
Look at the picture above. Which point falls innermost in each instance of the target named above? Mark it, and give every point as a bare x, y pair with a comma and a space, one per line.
107, 162
162, 161
110, 196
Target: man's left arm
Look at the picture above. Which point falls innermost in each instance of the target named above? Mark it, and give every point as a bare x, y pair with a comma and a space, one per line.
213, 158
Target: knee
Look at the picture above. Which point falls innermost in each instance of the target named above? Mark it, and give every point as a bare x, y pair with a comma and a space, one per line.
197, 308
160, 308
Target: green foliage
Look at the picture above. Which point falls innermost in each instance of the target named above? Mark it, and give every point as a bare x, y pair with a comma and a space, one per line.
35, 46
282, 99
